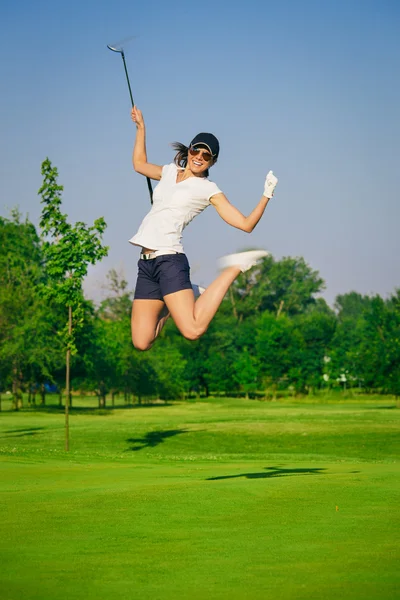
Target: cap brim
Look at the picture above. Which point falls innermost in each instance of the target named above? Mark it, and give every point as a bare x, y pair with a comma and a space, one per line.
205, 145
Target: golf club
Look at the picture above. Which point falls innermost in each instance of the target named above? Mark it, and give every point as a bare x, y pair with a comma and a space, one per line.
118, 48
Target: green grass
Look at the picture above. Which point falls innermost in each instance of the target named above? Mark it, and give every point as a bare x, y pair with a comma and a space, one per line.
216, 499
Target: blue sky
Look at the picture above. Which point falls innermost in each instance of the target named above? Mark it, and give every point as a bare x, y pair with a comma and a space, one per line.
309, 89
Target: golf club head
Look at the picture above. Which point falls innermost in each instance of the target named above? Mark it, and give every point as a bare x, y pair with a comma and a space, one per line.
115, 49
118, 46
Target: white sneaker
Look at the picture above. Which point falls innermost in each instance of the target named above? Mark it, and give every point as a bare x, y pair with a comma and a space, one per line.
243, 260
197, 290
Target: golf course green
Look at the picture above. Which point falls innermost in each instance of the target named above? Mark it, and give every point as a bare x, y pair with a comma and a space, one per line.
213, 499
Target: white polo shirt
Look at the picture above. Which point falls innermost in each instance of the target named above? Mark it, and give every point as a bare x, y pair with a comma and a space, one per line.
174, 206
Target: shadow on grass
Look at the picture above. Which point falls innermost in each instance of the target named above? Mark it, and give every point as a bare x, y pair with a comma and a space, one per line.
153, 439
11, 433
85, 410
392, 407
271, 472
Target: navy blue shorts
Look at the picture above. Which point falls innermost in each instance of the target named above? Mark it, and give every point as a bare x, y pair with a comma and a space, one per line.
162, 275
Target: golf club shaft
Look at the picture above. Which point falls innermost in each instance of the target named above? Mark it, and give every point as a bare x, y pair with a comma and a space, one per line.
127, 78
149, 186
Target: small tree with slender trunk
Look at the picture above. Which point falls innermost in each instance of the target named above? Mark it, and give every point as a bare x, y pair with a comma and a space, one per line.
68, 250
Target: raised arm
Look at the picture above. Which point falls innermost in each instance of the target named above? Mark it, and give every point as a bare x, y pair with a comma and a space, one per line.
139, 157
231, 215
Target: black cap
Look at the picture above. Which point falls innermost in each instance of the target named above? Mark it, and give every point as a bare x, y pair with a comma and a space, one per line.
209, 140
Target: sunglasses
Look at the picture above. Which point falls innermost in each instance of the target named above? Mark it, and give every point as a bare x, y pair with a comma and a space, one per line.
194, 151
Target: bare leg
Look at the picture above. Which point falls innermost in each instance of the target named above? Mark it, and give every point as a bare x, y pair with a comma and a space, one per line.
193, 318
148, 319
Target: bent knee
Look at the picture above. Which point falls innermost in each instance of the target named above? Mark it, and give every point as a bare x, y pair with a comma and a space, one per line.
192, 333
141, 345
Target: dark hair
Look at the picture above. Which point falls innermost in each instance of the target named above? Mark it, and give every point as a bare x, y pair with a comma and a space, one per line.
181, 156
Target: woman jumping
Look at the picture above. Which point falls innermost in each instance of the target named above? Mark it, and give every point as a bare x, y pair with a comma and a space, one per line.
163, 285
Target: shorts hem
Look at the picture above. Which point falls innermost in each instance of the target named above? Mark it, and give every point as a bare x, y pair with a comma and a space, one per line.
180, 289
141, 297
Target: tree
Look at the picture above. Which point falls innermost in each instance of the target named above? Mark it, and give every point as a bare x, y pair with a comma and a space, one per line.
134, 372
393, 376
169, 366
315, 329
100, 358
67, 250
29, 351
366, 344
351, 305
345, 345
221, 354
118, 304
245, 371
379, 349
286, 286
278, 347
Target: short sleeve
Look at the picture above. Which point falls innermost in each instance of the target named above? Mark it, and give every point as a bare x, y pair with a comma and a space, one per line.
212, 190
167, 169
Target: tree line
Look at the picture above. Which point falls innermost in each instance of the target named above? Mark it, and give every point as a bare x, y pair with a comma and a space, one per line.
273, 331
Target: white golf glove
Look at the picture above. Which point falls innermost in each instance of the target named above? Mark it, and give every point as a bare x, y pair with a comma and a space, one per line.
270, 184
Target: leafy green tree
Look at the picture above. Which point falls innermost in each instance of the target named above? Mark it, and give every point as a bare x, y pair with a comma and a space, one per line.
315, 329
393, 375
351, 305
290, 286
196, 355
245, 371
118, 304
100, 359
222, 352
278, 346
209, 360
169, 366
113, 318
379, 349
29, 351
67, 250
286, 286
345, 345
135, 374
366, 344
